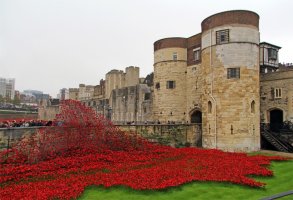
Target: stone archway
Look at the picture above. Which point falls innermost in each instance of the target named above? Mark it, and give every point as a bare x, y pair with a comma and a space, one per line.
196, 117
276, 119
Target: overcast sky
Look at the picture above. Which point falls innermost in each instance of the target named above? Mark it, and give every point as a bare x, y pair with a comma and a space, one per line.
47, 45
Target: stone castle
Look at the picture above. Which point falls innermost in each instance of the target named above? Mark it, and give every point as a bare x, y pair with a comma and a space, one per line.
222, 78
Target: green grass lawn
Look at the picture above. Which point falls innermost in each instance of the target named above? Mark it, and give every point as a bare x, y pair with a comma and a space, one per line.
282, 181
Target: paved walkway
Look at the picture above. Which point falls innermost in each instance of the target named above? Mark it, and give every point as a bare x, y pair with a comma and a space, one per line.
277, 153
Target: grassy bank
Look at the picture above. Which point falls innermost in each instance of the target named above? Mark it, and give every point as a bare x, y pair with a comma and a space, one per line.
281, 181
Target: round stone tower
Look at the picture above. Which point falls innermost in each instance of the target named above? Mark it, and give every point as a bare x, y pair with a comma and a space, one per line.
230, 64
170, 62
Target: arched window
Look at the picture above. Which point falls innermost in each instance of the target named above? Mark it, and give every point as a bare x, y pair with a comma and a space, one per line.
209, 107
252, 107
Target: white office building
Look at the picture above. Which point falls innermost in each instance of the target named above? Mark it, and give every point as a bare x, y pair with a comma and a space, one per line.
7, 87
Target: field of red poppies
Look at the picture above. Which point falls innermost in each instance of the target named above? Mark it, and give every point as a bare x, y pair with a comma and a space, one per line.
59, 162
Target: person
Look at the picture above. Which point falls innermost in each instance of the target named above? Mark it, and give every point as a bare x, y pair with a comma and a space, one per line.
49, 123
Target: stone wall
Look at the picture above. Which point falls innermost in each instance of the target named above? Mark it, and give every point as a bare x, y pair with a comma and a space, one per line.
18, 116
133, 103
194, 90
48, 112
12, 135
174, 135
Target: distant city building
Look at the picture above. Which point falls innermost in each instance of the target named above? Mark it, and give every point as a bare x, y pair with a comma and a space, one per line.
7, 87
33, 96
32, 92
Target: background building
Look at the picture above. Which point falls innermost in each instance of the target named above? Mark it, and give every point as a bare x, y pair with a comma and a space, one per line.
276, 96
7, 88
33, 96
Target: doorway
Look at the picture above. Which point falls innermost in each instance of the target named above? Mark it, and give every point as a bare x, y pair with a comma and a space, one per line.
276, 120
196, 117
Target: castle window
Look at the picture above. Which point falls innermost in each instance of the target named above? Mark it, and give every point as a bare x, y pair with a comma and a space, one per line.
196, 53
170, 84
252, 106
175, 56
222, 36
273, 54
147, 96
233, 73
158, 85
209, 107
278, 93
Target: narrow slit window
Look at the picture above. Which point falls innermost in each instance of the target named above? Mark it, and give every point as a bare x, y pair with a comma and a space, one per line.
278, 93
252, 107
209, 107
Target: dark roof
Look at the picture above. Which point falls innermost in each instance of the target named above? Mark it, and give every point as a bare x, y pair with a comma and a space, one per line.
270, 45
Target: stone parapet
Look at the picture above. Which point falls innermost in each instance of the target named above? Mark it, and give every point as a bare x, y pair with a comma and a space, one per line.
230, 17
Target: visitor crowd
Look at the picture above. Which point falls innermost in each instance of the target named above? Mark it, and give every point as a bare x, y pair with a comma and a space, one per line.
24, 123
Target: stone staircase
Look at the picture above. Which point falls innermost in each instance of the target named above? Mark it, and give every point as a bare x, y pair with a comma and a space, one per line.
277, 142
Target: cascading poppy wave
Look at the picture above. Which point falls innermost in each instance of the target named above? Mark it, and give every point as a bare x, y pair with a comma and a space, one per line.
83, 150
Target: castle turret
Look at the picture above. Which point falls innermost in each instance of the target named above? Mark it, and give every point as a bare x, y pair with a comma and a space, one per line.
131, 76
170, 62
114, 79
230, 64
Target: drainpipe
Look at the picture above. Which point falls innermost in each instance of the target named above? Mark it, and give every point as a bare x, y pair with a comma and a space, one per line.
211, 94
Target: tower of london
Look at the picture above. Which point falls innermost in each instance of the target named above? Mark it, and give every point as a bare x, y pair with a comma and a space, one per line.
213, 78
223, 79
